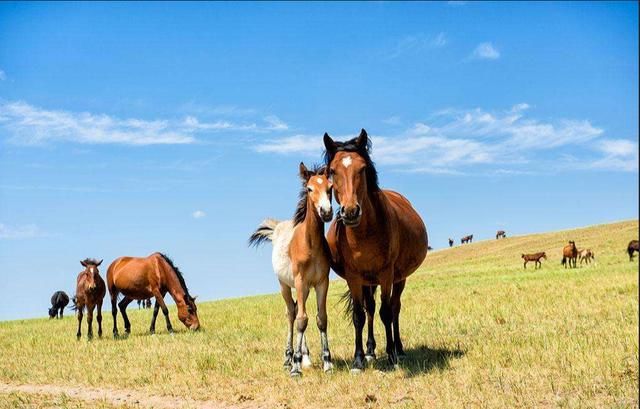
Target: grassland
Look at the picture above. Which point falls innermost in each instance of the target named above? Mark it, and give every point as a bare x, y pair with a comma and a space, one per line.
479, 331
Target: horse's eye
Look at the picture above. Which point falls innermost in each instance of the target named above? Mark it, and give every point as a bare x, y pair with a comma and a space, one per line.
309, 189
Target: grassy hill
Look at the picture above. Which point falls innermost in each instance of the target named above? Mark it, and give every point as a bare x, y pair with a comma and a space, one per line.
478, 329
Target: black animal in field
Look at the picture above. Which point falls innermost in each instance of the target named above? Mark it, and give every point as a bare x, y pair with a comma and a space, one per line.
633, 247
59, 300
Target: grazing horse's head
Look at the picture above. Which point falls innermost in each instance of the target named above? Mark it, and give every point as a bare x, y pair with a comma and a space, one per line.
353, 174
188, 313
317, 188
52, 313
91, 272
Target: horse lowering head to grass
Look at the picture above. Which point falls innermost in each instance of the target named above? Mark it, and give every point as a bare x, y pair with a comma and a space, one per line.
59, 300
633, 247
501, 234
90, 291
378, 239
450, 242
139, 278
300, 260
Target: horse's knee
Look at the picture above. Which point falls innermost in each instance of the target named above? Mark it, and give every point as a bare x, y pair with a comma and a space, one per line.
301, 323
321, 321
386, 314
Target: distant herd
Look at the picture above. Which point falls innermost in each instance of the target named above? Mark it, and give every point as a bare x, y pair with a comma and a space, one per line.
376, 239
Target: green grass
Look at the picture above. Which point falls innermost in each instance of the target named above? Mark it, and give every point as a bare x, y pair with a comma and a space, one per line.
479, 331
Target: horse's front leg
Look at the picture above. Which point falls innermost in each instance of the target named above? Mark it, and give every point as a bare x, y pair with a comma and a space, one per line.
321, 298
302, 292
154, 316
285, 290
396, 305
370, 307
79, 333
358, 318
386, 314
90, 321
99, 317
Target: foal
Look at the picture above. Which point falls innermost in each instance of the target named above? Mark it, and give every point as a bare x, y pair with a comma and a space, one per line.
90, 291
534, 257
300, 259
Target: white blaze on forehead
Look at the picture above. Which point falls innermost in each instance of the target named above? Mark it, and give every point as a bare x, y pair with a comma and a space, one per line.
346, 161
319, 180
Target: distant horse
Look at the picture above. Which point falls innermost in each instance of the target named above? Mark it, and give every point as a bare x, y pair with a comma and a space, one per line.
90, 291
466, 239
450, 242
144, 303
378, 239
145, 277
501, 234
429, 248
634, 246
586, 255
59, 300
570, 255
300, 259
534, 257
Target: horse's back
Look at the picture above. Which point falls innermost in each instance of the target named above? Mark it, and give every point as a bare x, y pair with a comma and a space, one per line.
412, 234
132, 275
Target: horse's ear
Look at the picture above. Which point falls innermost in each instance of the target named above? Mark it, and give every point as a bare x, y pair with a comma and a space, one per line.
363, 140
329, 144
83, 263
304, 172
99, 262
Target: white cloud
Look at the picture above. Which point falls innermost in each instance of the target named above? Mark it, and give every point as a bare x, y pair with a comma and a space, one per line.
486, 51
619, 155
417, 43
20, 232
31, 125
454, 141
392, 120
3, 75
198, 214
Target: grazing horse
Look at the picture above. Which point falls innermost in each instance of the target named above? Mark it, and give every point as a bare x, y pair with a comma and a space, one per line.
634, 246
378, 239
534, 257
139, 278
466, 239
501, 234
300, 259
570, 255
59, 300
450, 242
144, 303
586, 255
90, 291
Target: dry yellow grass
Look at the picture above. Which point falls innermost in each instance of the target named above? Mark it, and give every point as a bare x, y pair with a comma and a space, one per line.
479, 331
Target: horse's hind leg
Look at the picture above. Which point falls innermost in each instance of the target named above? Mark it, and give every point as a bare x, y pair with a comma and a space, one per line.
79, 333
291, 316
386, 314
396, 305
156, 308
123, 310
114, 310
321, 320
99, 317
370, 307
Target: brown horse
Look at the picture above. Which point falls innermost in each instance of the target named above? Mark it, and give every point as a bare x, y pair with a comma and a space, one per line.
300, 259
450, 242
141, 278
466, 239
90, 291
534, 257
634, 246
377, 239
586, 255
570, 255
501, 234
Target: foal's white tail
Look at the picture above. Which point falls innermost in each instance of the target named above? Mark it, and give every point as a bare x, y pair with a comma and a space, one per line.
264, 232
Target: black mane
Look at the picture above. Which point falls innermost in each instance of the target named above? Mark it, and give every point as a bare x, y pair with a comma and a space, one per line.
178, 274
301, 208
364, 151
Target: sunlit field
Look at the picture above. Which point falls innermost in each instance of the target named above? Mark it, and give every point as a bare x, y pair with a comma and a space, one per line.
479, 331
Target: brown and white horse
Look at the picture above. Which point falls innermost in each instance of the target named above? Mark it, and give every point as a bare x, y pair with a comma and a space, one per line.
377, 240
139, 278
300, 259
90, 291
501, 234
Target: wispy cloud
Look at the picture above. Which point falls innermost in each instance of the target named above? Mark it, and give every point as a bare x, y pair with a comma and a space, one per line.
485, 51
20, 232
198, 214
416, 43
3, 75
503, 142
392, 120
31, 125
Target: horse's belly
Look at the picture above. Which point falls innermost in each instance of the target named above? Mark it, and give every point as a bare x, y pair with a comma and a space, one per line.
280, 256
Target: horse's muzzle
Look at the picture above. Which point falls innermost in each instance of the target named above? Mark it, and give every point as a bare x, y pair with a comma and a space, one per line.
351, 216
326, 215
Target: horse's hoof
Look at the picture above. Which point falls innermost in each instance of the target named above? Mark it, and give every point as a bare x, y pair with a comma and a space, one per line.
327, 367
296, 373
306, 361
355, 371
370, 357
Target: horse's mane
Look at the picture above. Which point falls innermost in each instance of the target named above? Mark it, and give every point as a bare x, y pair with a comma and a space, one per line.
91, 261
301, 208
178, 274
352, 146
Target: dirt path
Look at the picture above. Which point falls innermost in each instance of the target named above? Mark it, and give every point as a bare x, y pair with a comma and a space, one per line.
119, 397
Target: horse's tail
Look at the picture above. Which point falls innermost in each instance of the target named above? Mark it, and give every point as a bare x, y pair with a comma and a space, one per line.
263, 233
347, 300
74, 307
564, 260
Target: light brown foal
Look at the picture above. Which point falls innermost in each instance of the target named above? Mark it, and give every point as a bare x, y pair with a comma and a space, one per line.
90, 291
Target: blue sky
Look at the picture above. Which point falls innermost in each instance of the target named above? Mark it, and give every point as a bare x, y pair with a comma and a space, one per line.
132, 128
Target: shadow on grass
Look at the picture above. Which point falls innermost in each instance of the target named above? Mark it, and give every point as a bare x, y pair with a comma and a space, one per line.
418, 360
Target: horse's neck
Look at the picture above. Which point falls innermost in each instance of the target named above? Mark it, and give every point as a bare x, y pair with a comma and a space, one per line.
313, 226
174, 287
370, 221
